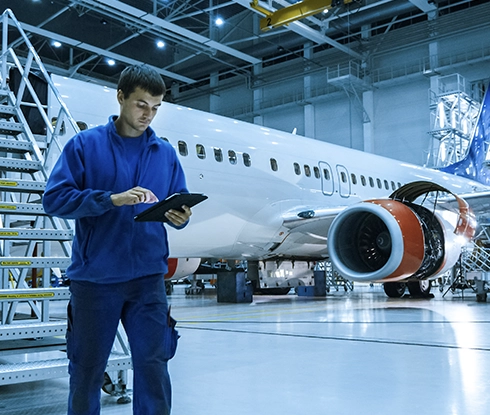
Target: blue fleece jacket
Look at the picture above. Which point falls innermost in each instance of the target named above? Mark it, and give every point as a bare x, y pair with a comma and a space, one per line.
109, 246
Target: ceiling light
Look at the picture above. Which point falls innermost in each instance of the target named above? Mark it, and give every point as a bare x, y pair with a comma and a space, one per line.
111, 62
219, 21
160, 44
56, 44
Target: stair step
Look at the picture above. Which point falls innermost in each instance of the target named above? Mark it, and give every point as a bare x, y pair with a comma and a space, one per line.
27, 186
36, 234
33, 262
32, 345
11, 373
20, 165
21, 208
25, 294
33, 330
15, 146
7, 111
11, 128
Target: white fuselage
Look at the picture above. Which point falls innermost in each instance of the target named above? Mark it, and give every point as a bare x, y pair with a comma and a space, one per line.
244, 215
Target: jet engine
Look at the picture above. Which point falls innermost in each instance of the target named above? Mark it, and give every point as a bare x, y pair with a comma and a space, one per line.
181, 267
396, 239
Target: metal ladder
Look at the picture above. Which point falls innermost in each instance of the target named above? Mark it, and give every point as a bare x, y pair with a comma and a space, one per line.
35, 248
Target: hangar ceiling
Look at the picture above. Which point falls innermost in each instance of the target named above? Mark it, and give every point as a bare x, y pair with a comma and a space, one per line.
91, 32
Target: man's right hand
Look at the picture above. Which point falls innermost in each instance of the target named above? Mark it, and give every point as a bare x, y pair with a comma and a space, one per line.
133, 197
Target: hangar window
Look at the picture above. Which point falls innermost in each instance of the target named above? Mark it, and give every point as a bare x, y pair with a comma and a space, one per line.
393, 187
316, 172
343, 177
183, 148
246, 159
218, 154
387, 186
232, 156
326, 174
363, 180
297, 169
378, 182
200, 151
274, 165
371, 182
353, 178
307, 170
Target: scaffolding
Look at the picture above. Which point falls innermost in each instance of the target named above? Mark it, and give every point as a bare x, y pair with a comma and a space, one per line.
453, 114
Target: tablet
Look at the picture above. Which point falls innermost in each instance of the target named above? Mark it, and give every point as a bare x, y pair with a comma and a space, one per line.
156, 212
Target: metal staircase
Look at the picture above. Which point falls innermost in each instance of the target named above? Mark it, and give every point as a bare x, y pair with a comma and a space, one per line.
35, 248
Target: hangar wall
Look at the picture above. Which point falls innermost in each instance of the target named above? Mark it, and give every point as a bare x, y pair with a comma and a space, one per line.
401, 70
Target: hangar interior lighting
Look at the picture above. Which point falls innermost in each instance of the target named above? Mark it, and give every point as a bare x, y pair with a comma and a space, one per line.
219, 21
111, 62
160, 44
56, 44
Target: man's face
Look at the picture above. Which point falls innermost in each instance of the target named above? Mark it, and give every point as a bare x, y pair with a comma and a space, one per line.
136, 112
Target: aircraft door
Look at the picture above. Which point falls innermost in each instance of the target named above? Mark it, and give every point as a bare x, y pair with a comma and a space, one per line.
327, 178
344, 181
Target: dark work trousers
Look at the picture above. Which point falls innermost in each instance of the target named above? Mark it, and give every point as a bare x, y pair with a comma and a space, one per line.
94, 312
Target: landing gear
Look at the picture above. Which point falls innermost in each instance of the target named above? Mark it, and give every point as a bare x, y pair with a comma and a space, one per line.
196, 287
419, 288
169, 287
394, 289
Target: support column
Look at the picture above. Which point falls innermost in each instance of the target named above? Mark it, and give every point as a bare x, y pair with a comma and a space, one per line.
367, 126
309, 109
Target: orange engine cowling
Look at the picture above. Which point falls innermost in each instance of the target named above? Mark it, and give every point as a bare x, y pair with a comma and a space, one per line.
181, 267
391, 240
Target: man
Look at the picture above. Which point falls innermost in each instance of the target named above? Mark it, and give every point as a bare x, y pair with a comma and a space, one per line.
103, 178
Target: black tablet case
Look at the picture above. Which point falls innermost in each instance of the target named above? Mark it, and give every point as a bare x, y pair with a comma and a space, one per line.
156, 212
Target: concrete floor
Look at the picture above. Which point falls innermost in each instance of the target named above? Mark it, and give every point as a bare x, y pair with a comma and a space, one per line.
349, 353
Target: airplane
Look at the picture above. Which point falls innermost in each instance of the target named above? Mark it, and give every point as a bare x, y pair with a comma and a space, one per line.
282, 202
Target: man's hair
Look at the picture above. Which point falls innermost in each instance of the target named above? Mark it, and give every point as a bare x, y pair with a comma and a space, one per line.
141, 76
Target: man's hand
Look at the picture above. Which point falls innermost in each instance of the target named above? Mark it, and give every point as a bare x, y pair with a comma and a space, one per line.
177, 217
133, 197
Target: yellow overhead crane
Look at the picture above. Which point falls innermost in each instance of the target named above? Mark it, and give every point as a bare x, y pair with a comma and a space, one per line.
294, 12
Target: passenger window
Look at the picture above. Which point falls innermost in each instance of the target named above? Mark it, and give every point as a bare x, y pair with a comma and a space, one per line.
218, 154
232, 156
183, 148
201, 151
353, 178
393, 187
387, 186
316, 172
297, 169
307, 170
399, 185
379, 184
326, 174
371, 182
363, 180
83, 126
246, 159
343, 177
274, 166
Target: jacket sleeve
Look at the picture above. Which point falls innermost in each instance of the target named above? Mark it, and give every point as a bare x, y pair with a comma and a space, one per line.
65, 195
177, 185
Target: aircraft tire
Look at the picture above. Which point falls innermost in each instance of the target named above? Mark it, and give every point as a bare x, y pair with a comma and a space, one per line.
394, 289
419, 288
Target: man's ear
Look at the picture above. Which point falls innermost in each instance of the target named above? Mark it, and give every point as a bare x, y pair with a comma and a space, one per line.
120, 96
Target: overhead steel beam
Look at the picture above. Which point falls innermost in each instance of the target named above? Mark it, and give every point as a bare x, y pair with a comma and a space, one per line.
101, 52
171, 27
305, 31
